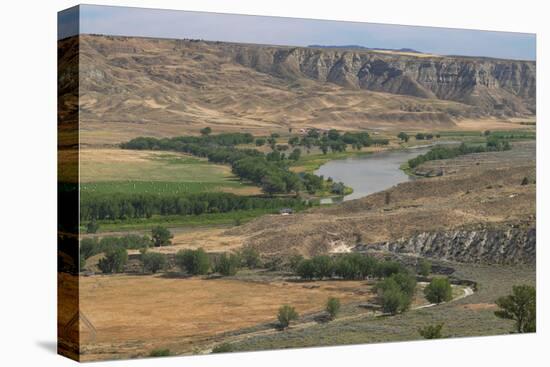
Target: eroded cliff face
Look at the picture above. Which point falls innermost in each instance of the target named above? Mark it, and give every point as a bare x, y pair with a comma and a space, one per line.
510, 245
496, 87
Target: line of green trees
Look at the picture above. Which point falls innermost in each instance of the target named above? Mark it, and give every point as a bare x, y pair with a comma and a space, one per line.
101, 206
270, 172
351, 266
199, 262
112, 247
395, 290
334, 141
441, 152
224, 139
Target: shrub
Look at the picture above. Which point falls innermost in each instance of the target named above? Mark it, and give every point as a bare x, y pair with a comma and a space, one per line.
88, 247
227, 264
223, 348
250, 258
439, 290
521, 307
333, 307
92, 227
424, 267
153, 261
114, 260
403, 136
161, 236
431, 331
286, 315
206, 131
195, 262
160, 353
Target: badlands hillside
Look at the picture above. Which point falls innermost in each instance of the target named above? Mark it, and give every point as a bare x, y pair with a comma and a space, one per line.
164, 87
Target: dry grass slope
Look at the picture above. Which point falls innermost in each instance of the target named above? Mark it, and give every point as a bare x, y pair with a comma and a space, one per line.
137, 86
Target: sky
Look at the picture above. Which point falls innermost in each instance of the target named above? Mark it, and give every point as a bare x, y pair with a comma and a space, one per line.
126, 21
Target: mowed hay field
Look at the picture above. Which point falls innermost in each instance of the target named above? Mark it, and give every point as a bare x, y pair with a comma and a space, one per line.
136, 314
131, 171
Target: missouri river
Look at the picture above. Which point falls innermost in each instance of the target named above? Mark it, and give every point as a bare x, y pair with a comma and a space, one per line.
370, 173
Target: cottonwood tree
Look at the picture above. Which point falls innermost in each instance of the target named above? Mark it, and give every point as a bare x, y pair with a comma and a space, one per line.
153, 261
195, 262
521, 307
439, 290
114, 260
161, 236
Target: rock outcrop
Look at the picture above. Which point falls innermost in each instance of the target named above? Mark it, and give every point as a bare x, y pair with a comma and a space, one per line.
490, 246
497, 87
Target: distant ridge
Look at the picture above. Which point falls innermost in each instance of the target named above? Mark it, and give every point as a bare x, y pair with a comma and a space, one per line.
357, 47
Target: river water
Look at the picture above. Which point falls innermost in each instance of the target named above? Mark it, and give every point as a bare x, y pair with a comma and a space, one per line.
370, 173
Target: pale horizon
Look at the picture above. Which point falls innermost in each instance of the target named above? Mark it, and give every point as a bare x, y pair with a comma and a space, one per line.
282, 31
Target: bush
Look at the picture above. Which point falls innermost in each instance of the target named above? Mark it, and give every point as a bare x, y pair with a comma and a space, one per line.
286, 315
333, 307
92, 227
250, 258
439, 290
520, 306
227, 264
223, 348
153, 261
161, 236
403, 136
114, 260
195, 262
431, 331
88, 247
160, 353
424, 267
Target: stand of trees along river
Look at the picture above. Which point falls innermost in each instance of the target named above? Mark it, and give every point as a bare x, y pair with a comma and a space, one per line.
269, 171
440, 152
95, 206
